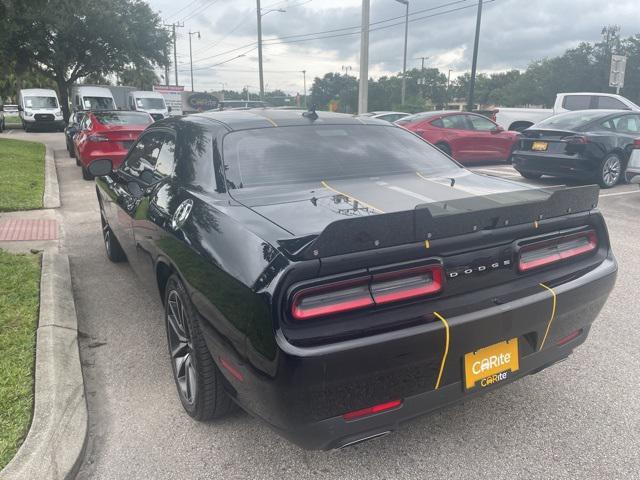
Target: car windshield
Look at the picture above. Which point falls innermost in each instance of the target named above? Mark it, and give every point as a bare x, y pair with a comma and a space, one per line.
150, 103
123, 118
276, 156
98, 103
40, 102
569, 121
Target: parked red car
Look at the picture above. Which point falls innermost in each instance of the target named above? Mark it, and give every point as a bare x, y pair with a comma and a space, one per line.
107, 134
467, 137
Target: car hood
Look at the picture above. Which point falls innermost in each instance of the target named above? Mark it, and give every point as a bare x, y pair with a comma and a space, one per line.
306, 209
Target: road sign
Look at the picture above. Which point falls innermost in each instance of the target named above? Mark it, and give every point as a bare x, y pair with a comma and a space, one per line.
618, 67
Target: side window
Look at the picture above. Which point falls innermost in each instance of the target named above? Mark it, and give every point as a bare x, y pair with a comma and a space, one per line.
438, 123
166, 158
142, 159
577, 102
455, 122
480, 124
610, 103
627, 124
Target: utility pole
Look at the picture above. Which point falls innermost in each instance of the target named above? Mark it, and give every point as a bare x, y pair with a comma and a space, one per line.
166, 69
404, 61
474, 63
191, 55
363, 91
173, 26
304, 82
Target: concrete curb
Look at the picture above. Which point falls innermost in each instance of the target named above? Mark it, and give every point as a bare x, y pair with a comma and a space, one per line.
51, 197
55, 444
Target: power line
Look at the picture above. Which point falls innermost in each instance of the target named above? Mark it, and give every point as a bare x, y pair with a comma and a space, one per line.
199, 10
182, 9
355, 27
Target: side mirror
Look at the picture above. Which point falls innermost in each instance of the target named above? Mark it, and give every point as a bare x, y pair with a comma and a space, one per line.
20, 109
169, 109
419, 132
100, 167
498, 129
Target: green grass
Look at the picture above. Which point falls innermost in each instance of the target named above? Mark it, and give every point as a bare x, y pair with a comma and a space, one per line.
21, 175
19, 299
11, 119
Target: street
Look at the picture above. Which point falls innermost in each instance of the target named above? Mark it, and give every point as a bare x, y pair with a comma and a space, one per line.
575, 420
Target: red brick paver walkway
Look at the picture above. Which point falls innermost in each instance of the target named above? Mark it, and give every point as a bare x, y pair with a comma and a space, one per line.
18, 229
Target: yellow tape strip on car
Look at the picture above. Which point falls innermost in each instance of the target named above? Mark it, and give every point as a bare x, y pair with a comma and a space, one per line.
553, 313
351, 197
446, 348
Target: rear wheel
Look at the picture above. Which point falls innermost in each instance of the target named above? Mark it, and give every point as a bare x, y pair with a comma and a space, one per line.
198, 380
446, 149
610, 171
111, 244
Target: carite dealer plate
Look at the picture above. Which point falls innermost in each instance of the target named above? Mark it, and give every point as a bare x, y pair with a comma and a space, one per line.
491, 364
540, 146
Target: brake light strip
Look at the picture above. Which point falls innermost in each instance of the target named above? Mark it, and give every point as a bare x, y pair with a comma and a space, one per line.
446, 348
553, 313
350, 197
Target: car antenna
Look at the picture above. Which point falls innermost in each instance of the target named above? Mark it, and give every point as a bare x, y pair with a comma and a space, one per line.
311, 113
453, 181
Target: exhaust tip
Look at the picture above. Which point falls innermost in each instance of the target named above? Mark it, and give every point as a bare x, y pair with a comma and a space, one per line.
364, 439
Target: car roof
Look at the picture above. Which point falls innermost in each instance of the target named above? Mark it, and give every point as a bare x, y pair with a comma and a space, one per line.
146, 93
271, 117
38, 91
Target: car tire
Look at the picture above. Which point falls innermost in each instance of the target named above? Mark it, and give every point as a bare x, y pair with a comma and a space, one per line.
198, 380
610, 171
111, 243
85, 173
444, 148
531, 176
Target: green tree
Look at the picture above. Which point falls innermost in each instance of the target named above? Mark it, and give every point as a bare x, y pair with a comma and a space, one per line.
142, 77
342, 89
67, 40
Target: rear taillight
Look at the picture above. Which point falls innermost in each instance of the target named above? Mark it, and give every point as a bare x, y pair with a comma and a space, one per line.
379, 289
636, 144
544, 253
97, 138
365, 412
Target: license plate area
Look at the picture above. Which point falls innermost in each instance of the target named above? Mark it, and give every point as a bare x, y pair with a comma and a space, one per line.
539, 146
491, 365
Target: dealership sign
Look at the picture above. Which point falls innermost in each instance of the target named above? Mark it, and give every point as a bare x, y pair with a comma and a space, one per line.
199, 102
172, 96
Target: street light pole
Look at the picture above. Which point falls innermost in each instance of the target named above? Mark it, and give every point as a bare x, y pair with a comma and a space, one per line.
363, 91
191, 55
260, 15
404, 61
474, 63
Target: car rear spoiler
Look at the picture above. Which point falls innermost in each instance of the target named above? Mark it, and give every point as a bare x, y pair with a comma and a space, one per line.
438, 220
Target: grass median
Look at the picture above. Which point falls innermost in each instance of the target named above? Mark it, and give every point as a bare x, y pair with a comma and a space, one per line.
19, 302
21, 175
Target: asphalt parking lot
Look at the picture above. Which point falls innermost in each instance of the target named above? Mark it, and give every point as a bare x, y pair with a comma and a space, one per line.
578, 419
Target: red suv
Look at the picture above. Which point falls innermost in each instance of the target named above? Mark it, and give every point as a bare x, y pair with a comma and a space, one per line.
467, 137
107, 134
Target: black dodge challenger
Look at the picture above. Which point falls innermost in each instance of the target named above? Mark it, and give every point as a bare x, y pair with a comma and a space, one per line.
337, 276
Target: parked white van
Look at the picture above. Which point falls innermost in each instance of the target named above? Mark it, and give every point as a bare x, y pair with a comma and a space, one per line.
92, 98
39, 108
151, 102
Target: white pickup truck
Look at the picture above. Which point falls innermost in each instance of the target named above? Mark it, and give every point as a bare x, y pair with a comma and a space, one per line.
521, 118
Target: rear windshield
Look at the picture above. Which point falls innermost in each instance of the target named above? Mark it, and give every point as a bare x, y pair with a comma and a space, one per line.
570, 121
123, 118
285, 155
98, 103
40, 102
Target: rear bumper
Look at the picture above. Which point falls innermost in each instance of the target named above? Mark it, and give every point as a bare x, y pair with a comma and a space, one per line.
115, 155
36, 123
554, 164
304, 392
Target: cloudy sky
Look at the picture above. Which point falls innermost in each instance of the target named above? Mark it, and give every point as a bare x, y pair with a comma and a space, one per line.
514, 33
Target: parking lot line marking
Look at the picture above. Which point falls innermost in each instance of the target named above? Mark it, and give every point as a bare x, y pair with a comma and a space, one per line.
618, 193
446, 348
326, 185
410, 193
553, 313
270, 121
497, 172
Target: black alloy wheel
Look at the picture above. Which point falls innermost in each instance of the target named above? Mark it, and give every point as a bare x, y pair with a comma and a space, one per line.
197, 378
610, 171
111, 244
